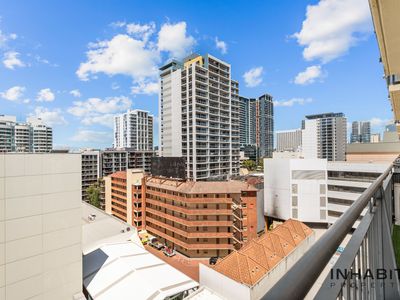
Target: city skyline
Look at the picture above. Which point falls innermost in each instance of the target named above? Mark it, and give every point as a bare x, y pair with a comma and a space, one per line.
68, 80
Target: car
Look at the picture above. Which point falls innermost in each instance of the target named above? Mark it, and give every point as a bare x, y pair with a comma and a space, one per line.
156, 244
169, 252
213, 260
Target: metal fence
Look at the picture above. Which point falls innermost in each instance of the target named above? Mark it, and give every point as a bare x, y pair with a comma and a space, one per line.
366, 269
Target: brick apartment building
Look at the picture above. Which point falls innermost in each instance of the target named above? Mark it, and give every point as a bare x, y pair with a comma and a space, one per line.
198, 219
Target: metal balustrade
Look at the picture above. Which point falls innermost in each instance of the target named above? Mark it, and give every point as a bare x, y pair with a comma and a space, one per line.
359, 271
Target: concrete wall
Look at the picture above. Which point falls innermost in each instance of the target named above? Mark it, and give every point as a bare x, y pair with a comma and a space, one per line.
40, 226
279, 192
107, 187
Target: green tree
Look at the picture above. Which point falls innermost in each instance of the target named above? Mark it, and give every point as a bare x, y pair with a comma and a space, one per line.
250, 165
93, 194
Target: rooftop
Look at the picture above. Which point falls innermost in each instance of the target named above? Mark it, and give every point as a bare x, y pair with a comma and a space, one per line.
200, 187
256, 258
324, 115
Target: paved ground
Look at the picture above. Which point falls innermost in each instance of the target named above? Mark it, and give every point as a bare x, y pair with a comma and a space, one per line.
188, 266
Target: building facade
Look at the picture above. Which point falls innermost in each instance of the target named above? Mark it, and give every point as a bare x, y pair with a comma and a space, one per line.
134, 129
31, 136
324, 136
113, 160
288, 140
124, 196
90, 170
199, 116
41, 229
360, 132
257, 124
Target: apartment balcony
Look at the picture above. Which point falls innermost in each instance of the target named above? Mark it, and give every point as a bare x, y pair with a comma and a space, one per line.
369, 250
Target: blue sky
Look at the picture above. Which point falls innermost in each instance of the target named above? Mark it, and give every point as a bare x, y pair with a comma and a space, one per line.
76, 63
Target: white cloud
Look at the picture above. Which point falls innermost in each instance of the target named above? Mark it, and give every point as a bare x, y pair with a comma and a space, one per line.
120, 55
221, 45
4, 38
309, 75
253, 77
75, 93
173, 38
11, 60
45, 95
98, 111
293, 101
378, 122
13, 94
142, 32
115, 86
49, 117
91, 136
148, 88
331, 27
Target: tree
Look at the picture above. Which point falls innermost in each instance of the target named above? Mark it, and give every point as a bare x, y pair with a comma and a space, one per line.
250, 165
93, 194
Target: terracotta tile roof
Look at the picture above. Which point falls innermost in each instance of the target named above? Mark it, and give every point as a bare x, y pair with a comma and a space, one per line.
260, 255
119, 174
200, 187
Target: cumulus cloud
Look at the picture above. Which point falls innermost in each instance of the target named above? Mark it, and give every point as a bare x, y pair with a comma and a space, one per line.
4, 38
99, 111
253, 77
11, 60
174, 39
88, 136
50, 117
14, 93
309, 75
293, 101
45, 95
142, 32
378, 122
75, 93
221, 46
120, 55
148, 88
331, 27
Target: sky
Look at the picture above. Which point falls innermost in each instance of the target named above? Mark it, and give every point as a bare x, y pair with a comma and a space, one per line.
75, 63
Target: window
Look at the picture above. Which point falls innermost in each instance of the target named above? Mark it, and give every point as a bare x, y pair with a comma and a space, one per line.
322, 201
308, 174
294, 200
294, 188
323, 214
294, 213
322, 189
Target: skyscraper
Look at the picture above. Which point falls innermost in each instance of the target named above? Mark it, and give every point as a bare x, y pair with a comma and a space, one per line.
199, 116
134, 129
257, 124
31, 136
324, 136
361, 132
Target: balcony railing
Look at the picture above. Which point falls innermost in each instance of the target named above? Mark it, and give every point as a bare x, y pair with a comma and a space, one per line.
357, 274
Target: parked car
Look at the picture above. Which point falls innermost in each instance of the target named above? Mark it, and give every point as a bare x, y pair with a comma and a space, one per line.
169, 252
213, 260
155, 243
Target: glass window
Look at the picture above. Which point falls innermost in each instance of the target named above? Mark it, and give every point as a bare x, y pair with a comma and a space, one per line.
322, 189
294, 200
294, 188
294, 213
322, 201
323, 214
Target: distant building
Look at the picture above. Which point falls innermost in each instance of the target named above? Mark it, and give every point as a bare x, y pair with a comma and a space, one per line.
385, 151
288, 140
40, 221
324, 136
31, 136
170, 167
91, 170
124, 197
199, 116
134, 130
113, 160
375, 138
257, 124
249, 273
361, 132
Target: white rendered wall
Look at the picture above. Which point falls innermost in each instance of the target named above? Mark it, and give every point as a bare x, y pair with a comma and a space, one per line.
310, 139
40, 226
278, 192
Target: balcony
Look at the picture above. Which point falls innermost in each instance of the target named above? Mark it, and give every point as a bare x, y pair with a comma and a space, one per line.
368, 251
